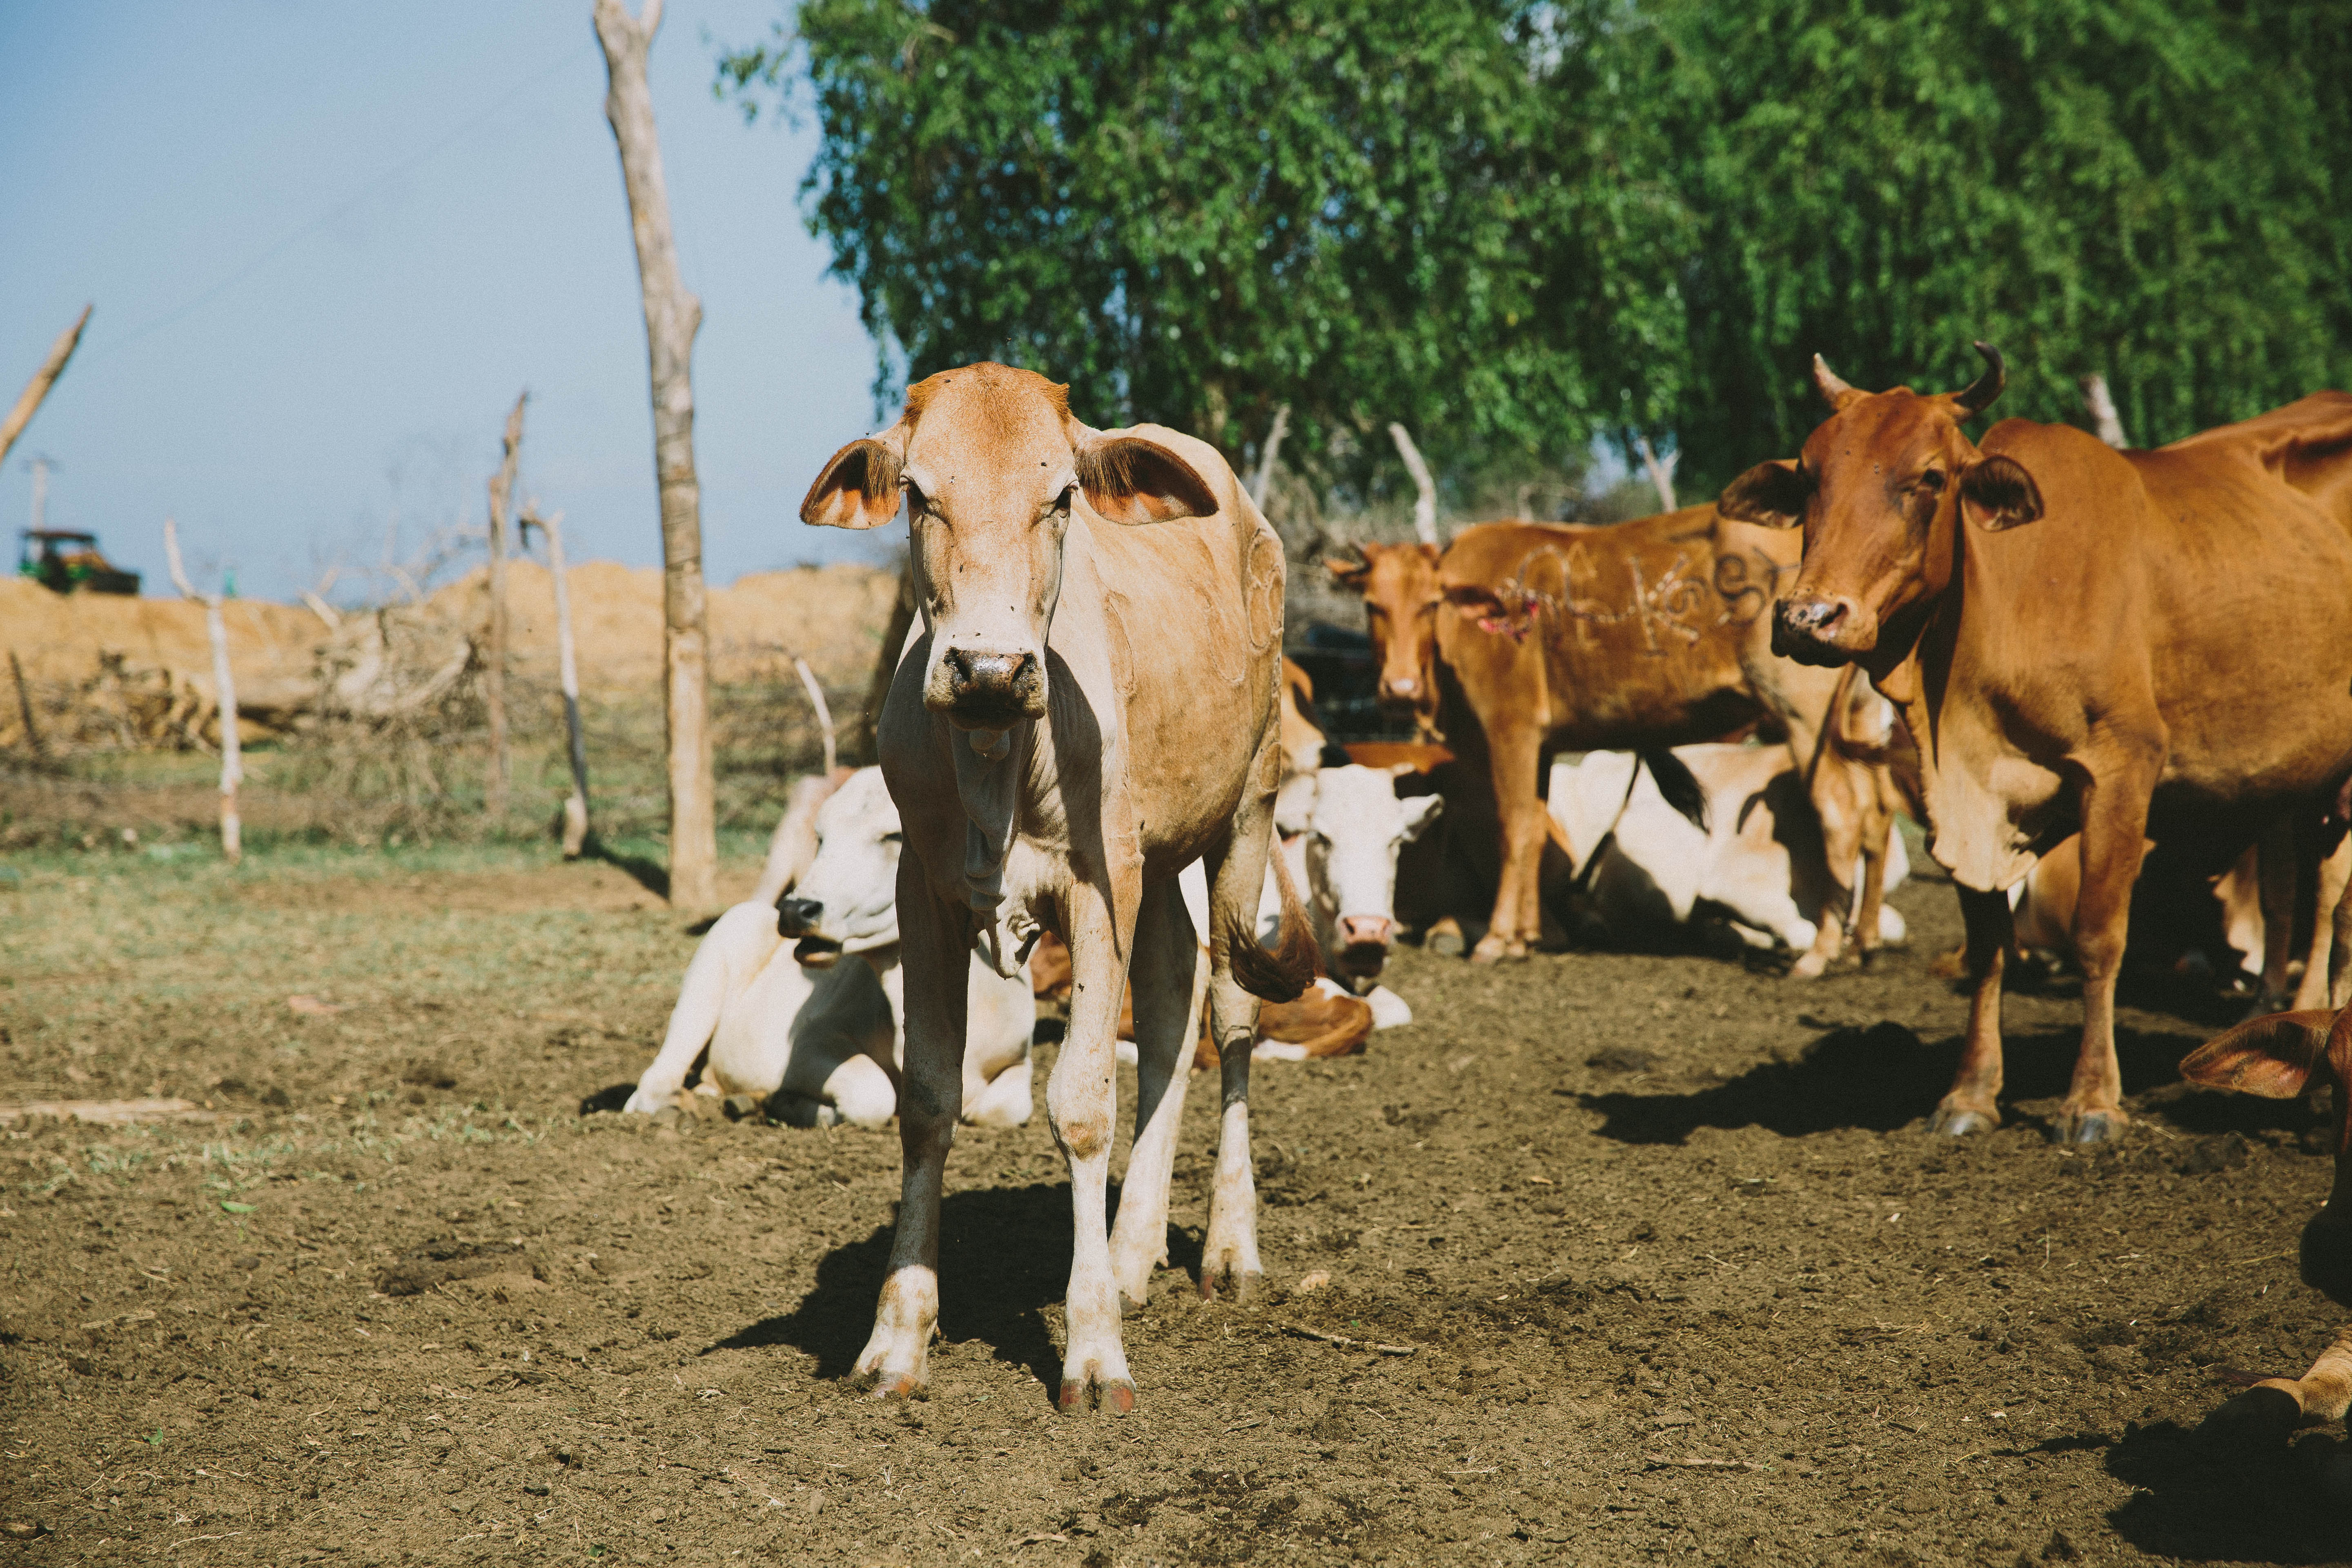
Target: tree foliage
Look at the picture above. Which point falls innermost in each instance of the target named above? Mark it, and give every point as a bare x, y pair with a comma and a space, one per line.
1515, 226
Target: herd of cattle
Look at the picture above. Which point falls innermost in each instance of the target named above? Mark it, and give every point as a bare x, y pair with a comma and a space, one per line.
1100, 782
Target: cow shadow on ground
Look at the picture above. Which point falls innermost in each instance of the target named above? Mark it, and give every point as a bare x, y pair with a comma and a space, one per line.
1883, 1077
2194, 1502
1004, 1262
650, 875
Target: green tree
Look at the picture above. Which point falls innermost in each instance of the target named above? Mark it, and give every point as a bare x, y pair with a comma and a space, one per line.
1194, 211
2151, 189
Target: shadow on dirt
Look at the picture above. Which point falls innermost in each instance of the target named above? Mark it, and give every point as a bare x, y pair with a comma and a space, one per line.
2272, 1505
1882, 1077
650, 875
1003, 1258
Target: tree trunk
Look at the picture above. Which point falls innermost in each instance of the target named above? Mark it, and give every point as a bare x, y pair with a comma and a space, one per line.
231, 774
1424, 506
43, 379
567, 662
672, 317
494, 678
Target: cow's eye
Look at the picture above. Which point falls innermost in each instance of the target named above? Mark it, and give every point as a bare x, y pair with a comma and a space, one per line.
1067, 499
917, 503
893, 837
1932, 481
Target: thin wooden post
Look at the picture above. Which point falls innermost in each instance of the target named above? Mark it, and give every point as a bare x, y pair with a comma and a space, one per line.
672, 317
575, 806
29, 401
494, 678
1424, 506
232, 828
25, 710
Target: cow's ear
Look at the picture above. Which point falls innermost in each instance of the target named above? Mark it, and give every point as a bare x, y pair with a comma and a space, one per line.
1473, 600
1772, 494
1998, 493
1420, 811
1351, 575
1129, 480
2273, 1055
859, 488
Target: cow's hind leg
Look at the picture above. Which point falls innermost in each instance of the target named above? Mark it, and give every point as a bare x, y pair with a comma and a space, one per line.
935, 951
1973, 1105
1516, 750
2275, 1406
2335, 879
1081, 1098
1167, 976
1229, 1260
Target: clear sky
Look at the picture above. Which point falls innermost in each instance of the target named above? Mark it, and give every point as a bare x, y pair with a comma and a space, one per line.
328, 244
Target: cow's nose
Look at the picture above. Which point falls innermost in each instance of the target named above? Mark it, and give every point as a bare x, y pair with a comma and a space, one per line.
1403, 686
798, 917
975, 674
1808, 624
1364, 930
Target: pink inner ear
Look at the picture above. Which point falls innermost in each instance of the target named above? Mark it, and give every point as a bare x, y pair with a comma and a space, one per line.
858, 489
2271, 1057
1130, 480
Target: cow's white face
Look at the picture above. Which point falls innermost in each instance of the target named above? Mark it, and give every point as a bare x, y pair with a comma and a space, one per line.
1354, 829
847, 901
990, 464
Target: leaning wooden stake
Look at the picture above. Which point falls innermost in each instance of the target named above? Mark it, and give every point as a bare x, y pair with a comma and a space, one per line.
24, 709
672, 317
1424, 506
1662, 472
1263, 481
575, 808
43, 379
494, 678
823, 711
231, 774
2101, 403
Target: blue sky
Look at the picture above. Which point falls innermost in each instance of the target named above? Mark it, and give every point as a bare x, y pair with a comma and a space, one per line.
329, 243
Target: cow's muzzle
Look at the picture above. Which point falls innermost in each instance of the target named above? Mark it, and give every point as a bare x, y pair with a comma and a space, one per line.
992, 690
798, 917
1401, 690
1363, 944
1818, 629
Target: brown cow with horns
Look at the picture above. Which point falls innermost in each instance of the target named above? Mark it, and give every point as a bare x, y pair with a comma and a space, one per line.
2130, 645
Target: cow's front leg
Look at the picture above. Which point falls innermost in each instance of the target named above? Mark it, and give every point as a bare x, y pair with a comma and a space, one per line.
935, 951
2114, 823
1516, 752
1081, 1098
1973, 1105
1167, 977
2335, 880
2277, 1406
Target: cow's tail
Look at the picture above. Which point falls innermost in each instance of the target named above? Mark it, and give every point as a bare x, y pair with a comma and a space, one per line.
1285, 974
1678, 786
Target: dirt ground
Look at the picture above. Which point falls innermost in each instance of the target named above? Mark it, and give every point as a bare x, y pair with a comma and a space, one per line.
1682, 1276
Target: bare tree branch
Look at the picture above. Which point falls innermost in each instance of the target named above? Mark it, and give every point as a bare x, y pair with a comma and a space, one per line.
1424, 507
232, 771
43, 379
2101, 403
1662, 472
1267, 458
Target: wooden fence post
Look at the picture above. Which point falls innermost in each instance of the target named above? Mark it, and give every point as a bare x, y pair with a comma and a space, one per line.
494, 678
575, 806
43, 379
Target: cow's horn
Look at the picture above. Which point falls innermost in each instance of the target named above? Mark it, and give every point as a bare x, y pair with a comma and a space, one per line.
1977, 396
1836, 392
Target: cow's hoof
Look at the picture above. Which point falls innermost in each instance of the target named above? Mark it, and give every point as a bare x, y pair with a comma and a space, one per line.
1811, 966
1959, 1120
1240, 1290
2261, 1417
1079, 1395
1128, 1306
898, 1385
2089, 1127
1446, 944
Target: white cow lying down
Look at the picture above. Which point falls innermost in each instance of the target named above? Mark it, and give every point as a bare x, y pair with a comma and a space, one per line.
1760, 862
798, 1019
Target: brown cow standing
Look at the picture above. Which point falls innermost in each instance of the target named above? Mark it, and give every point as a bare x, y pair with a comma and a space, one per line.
1523, 638
2131, 645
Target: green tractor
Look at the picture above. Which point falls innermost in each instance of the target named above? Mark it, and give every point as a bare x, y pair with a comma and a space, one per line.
62, 561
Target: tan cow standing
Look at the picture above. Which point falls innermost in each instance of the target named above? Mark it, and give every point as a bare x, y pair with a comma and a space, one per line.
2133, 645
1524, 638
1091, 706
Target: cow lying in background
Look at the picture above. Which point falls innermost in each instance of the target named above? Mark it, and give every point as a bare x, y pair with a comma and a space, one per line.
2279, 1056
1342, 829
1759, 860
817, 1039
